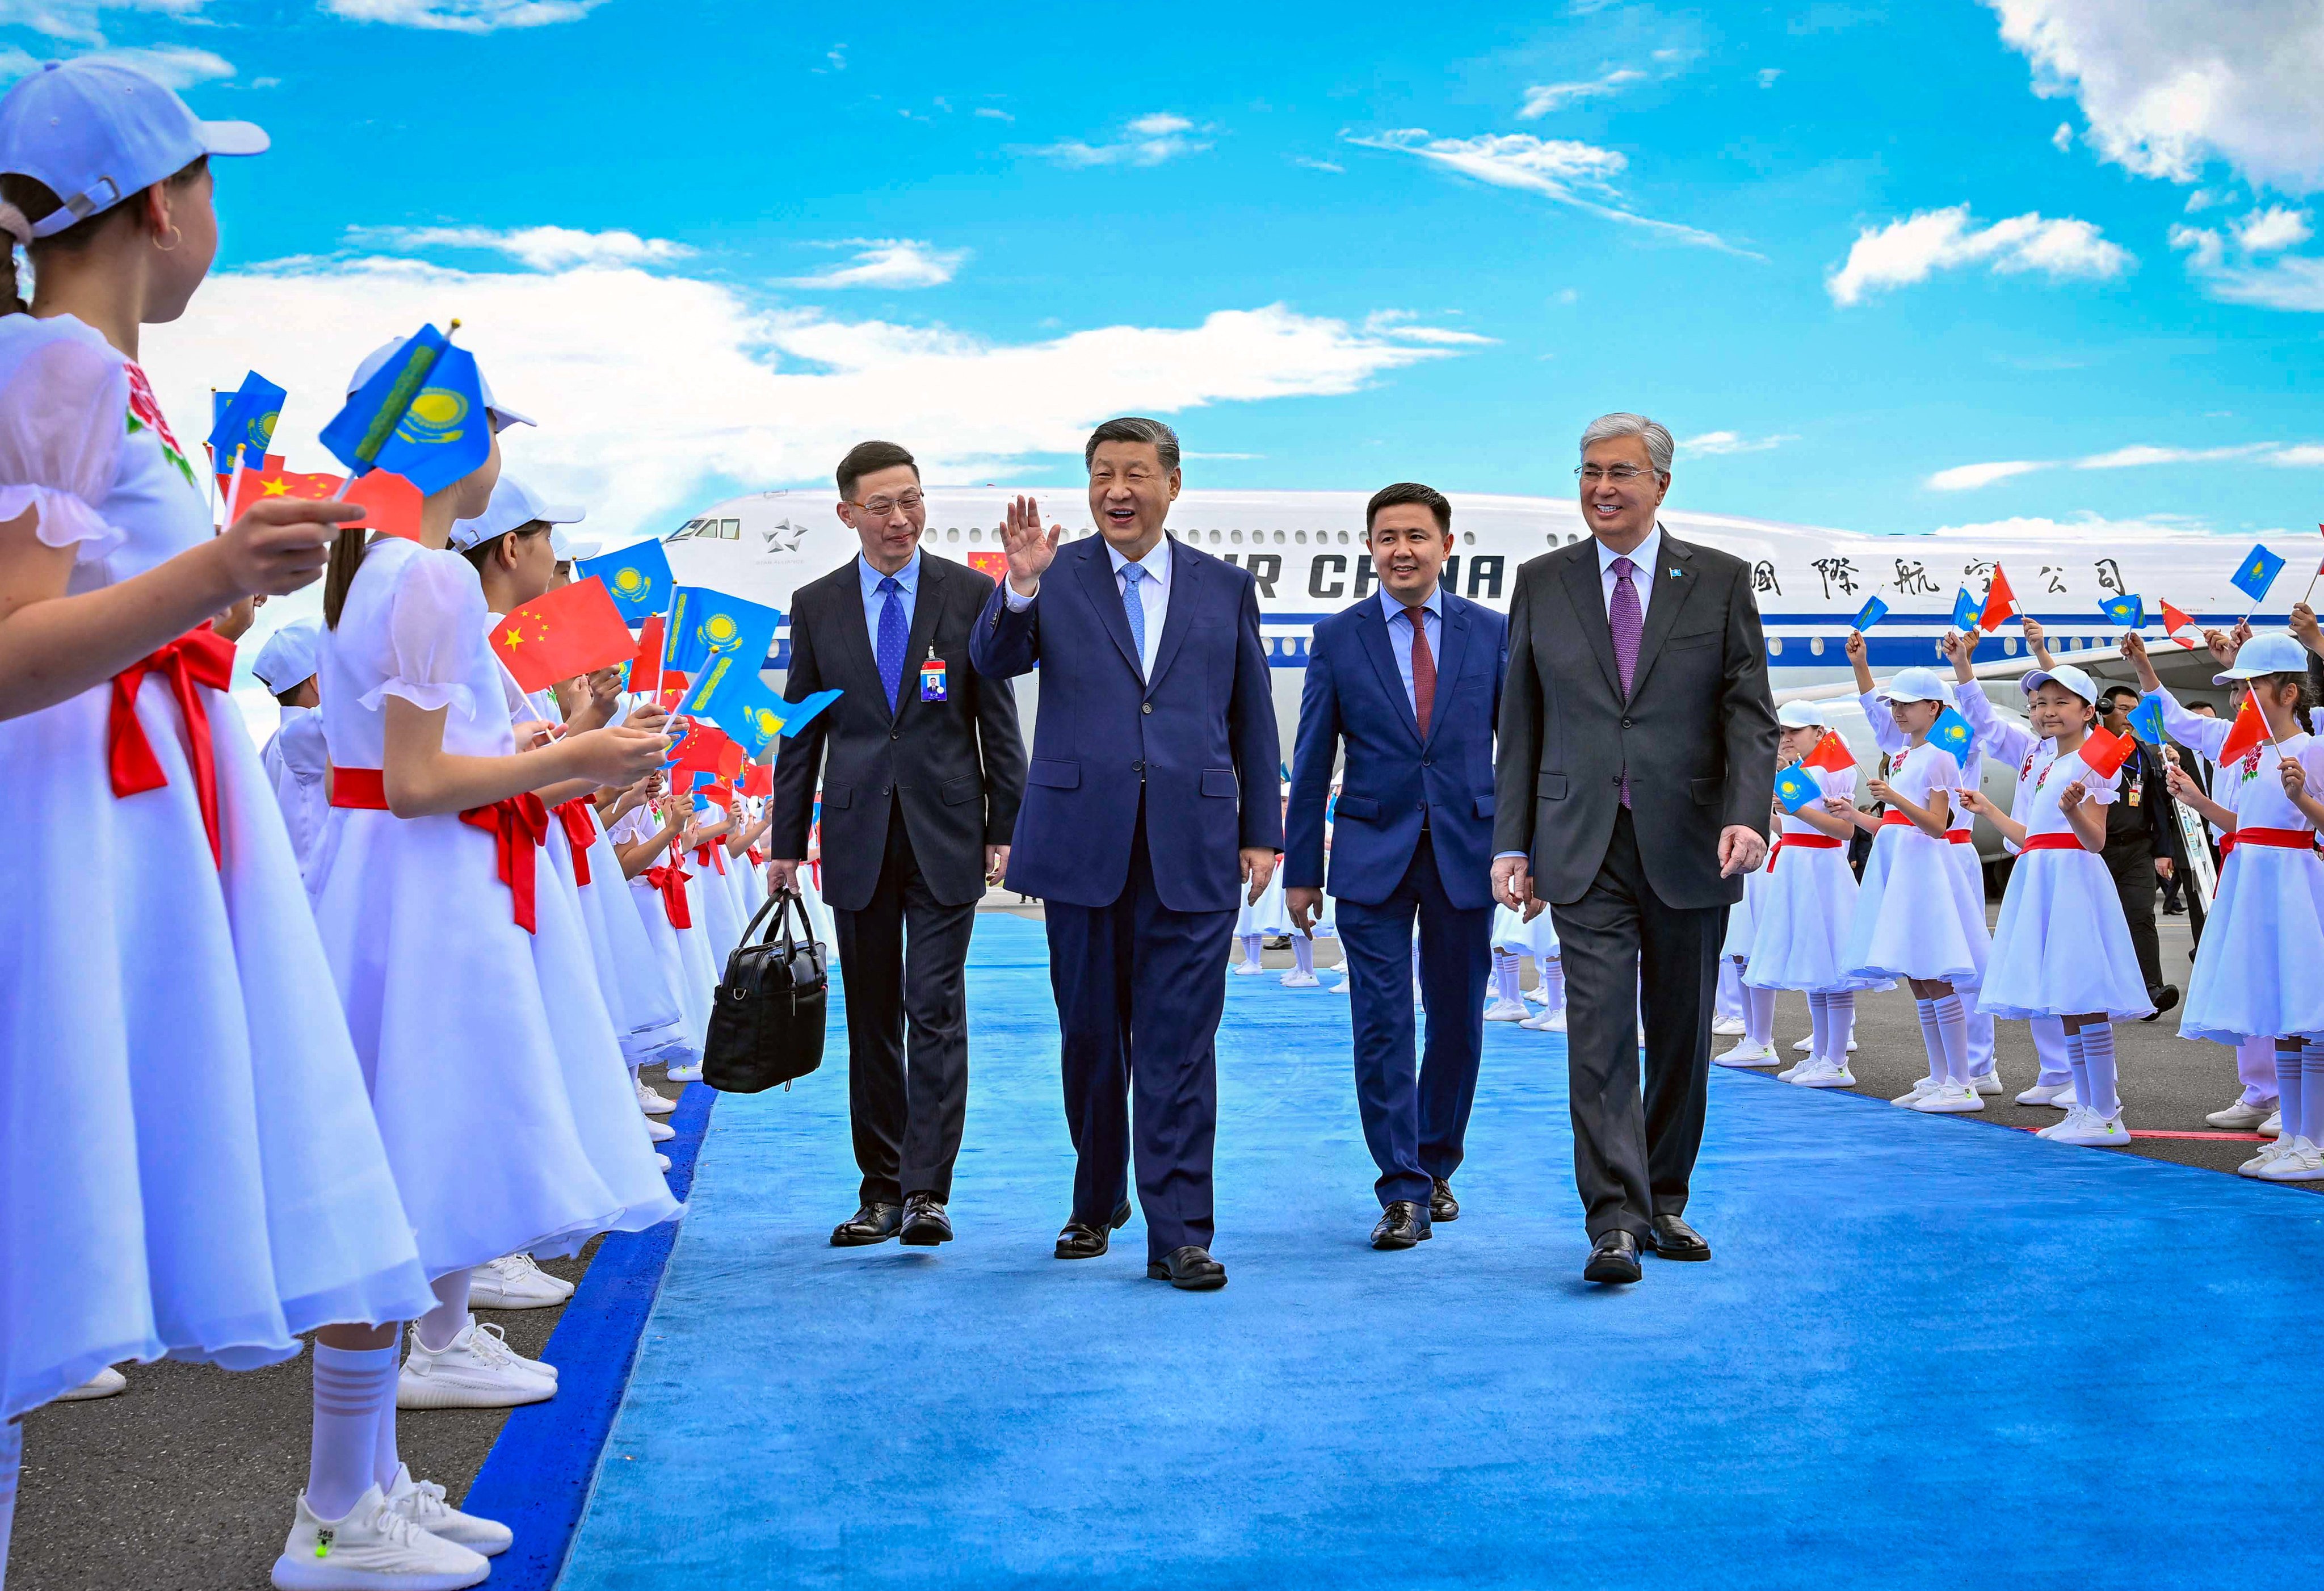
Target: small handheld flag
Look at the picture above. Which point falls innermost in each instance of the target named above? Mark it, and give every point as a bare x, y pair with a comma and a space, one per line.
2257, 573
1872, 613
2176, 625
2000, 602
390, 504
758, 780
645, 668
1966, 610
1951, 731
2129, 613
2106, 752
705, 624
2146, 720
421, 415
271, 480
637, 576
1830, 753
2248, 732
569, 632
243, 424
1796, 788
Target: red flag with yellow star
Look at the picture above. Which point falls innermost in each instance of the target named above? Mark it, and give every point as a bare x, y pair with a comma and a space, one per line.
274, 481
568, 632
390, 503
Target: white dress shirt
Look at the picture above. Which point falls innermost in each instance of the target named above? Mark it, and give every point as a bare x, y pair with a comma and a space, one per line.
1399, 635
1647, 555
1153, 595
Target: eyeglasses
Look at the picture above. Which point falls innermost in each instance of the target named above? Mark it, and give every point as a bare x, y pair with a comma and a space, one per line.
1622, 475
881, 507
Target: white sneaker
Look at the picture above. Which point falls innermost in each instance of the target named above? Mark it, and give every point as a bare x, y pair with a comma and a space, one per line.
1950, 1099
2092, 1130
2241, 1117
1507, 1011
1340, 987
2267, 1155
1728, 1027
2074, 1115
1536, 995
1747, 1053
1296, 980
2302, 1162
476, 1370
1988, 1085
1807, 1046
2059, 1094
1548, 1021
2273, 1125
662, 1159
1794, 1069
422, 1502
373, 1546
659, 1131
1920, 1091
1822, 1074
1244, 969
108, 1382
653, 1103
684, 1074
514, 1281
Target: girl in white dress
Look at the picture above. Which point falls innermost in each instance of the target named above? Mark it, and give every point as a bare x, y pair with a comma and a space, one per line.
2061, 948
507, 1116
716, 909
1807, 906
203, 1180
1917, 915
1757, 1044
646, 833
1255, 920
2259, 972
294, 756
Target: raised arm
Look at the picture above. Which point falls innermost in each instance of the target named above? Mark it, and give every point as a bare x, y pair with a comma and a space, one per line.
1885, 732
1007, 639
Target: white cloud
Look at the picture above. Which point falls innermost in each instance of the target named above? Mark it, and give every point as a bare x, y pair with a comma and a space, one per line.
2133, 457
174, 65
1313, 165
1554, 168
2293, 281
655, 390
1712, 444
2206, 248
2307, 456
462, 16
1965, 477
888, 261
1768, 74
993, 114
544, 248
2031, 528
1544, 98
2062, 139
1147, 141
2272, 230
80, 20
2169, 85
1403, 323
1910, 251
2204, 199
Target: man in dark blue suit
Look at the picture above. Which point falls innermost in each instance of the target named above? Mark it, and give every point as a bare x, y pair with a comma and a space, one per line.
1409, 681
1149, 803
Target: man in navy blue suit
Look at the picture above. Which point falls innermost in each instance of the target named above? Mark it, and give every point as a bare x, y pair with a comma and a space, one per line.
1409, 681
1149, 803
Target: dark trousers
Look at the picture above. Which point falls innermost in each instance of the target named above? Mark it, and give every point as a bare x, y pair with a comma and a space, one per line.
2135, 882
902, 960
1139, 989
1633, 1157
1415, 1125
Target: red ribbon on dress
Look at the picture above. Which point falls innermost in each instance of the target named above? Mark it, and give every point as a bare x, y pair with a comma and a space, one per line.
1805, 842
2282, 839
1892, 818
519, 826
670, 880
365, 789
201, 656
2053, 842
706, 855
757, 859
580, 821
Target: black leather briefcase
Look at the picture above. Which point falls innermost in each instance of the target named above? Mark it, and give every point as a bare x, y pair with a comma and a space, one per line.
766, 1018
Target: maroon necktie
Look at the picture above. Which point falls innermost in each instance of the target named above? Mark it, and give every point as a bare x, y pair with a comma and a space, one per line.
1623, 619
1424, 670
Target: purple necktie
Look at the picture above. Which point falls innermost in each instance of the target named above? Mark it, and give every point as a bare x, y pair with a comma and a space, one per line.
1622, 619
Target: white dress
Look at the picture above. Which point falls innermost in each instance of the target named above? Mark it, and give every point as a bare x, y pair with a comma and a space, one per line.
1513, 935
2259, 972
190, 1168
1265, 915
682, 955
1962, 826
1808, 905
716, 911
508, 1114
1916, 914
294, 758
1743, 917
2061, 946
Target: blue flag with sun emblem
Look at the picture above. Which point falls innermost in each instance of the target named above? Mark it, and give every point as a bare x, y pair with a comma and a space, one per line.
242, 423
421, 416
1966, 609
638, 577
1796, 787
1951, 731
2129, 613
2257, 573
730, 693
1871, 614
705, 624
2147, 719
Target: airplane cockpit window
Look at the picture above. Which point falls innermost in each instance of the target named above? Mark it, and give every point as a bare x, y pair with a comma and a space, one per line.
730, 530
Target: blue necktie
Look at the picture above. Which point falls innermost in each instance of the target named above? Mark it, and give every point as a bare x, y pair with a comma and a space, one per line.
1135, 607
892, 639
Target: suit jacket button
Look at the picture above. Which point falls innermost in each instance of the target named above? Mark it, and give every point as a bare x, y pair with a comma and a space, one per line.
1426, 764
1628, 725
1145, 706
898, 734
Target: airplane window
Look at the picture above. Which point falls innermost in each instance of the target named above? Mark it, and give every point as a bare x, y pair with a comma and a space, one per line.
1468, 537
1815, 645
1343, 538
953, 534
976, 534
1235, 537
1300, 537
2009, 645
1279, 538
730, 530
1775, 646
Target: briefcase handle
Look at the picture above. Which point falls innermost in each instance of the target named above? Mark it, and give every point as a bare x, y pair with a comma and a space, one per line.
781, 904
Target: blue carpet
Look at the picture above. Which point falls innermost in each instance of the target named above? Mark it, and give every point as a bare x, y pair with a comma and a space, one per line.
1927, 1355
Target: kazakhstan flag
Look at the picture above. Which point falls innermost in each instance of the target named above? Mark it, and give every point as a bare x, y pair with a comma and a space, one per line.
2258, 572
731, 694
705, 624
2129, 613
1796, 787
638, 578
421, 416
242, 423
1951, 731
1967, 609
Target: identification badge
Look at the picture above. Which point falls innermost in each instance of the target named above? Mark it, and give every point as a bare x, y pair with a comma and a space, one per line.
2134, 795
932, 680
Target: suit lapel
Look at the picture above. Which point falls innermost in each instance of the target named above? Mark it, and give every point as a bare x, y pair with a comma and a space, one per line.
1453, 630
856, 639
1673, 586
1095, 573
1371, 626
1179, 616
1584, 591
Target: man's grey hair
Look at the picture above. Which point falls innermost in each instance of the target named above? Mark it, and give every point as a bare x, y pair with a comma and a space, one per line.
1132, 428
1659, 446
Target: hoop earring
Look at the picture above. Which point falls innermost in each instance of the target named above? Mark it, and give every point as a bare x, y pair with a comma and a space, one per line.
177, 237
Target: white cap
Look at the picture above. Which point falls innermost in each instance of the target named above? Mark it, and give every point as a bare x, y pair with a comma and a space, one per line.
94, 132
569, 547
2266, 654
287, 659
2065, 674
1913, 685
503, 416
1800, 715
513, 506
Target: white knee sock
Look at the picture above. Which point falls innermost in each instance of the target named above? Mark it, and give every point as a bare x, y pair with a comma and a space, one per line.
450, 1316
2311, 1092
1506, 983
1250, 946
1730, 988
342, 1453
384, 1458
1980, 1039
12, 1459
2098, 1066
2291, 1091
2049, 1049
1758, 1015
1952, 1024
1818, 1024
1553, 980
1302, 953
2078, 1067
1840, 1020
1931, 1038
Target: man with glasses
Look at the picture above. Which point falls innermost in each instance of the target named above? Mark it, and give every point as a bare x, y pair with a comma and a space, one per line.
922, 767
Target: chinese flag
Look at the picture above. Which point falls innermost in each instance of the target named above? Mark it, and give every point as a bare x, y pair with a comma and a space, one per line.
2248, 732
731, 758
703, 751
2174, 623
274, 481
568, 632
995, 564
226, 476
673, 688
390, 503
2000, 602
2106, 752
718, 790
1830, 753
645, 668
757, 780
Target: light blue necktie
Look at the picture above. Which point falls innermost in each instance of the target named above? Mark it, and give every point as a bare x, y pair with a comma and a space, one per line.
894, 634
1135, 607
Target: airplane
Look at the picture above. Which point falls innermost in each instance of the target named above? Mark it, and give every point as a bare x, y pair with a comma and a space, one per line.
1305, 549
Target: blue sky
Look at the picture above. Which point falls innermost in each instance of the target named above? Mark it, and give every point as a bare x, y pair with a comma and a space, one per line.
1890, 267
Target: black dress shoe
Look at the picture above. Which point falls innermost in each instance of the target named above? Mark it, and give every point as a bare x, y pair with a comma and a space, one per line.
2164, 998
1190, 1268
1673, 1239
1442, 1205
874, 1222
1082, 1241
926, 1225
1400, 1227
1613, 1258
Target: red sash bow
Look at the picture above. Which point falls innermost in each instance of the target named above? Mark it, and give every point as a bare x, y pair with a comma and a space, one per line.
1805, 842
712, 854
670, 880
519, 826
757, 860
2053, 842
580, 821
1892, 819
201, 656
2282, 839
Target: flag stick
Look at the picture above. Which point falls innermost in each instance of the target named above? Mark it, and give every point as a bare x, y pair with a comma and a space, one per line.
213, 470
234, 486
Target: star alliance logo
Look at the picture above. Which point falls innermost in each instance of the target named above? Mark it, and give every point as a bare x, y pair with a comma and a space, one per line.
784, 536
